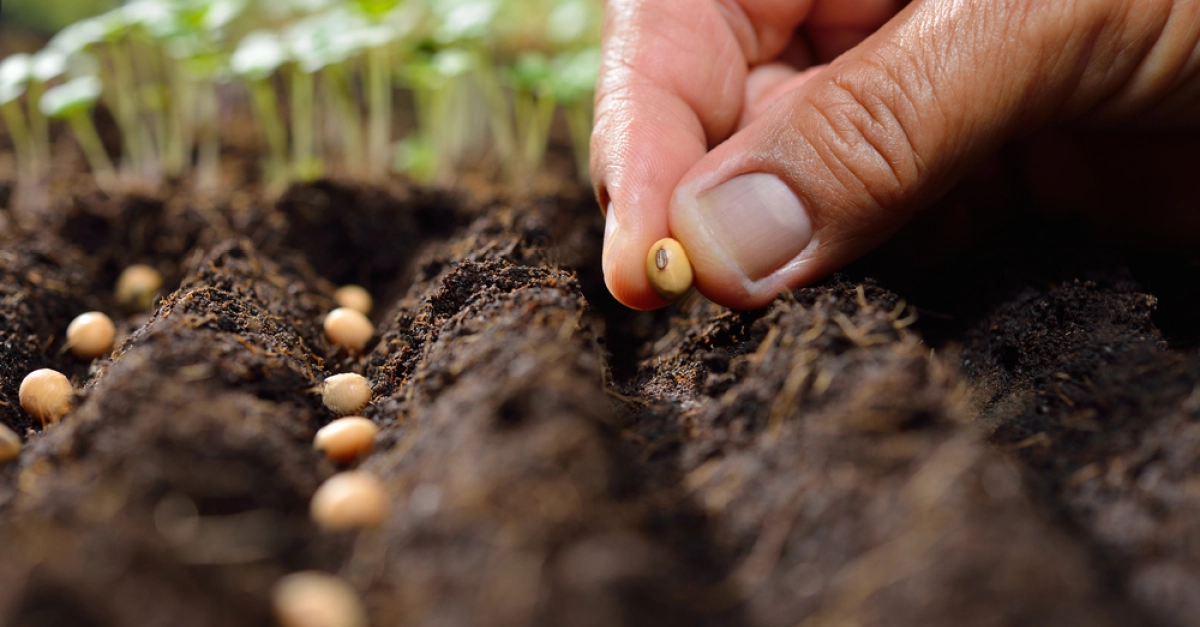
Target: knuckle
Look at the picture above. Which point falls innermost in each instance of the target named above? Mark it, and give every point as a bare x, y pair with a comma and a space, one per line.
871, 118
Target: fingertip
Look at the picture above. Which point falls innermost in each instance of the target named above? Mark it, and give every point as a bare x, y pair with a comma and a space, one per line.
624, 263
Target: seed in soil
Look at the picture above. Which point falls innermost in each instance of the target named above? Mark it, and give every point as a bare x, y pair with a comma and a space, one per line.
316, 599
346, 394
10, 444
46, 395
349, 500
90, 335
137, 286
346, 439
354, 297
348, 328
668, 269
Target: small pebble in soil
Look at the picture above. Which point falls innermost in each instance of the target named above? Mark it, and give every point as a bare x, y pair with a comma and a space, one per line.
349, 500
354, 297
46, 395
668, 269
348, 328
137, 287
315, 599
346, 394
10, 444
346, 439
90, 335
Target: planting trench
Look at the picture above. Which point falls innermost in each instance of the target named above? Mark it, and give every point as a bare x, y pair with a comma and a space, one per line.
1024, 451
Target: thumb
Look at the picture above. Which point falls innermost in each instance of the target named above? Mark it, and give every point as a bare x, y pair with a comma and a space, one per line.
843, 160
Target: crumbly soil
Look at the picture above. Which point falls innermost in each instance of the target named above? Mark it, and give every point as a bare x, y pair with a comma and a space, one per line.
1008, 438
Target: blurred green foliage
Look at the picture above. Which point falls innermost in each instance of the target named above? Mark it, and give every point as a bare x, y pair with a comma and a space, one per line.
46, 17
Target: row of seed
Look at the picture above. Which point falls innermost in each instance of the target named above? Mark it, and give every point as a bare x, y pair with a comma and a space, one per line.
348, 500
46, 394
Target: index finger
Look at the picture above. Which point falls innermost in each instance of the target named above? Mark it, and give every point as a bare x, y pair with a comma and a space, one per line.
671, 86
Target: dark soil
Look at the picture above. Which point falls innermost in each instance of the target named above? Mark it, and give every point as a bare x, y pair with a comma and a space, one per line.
1007, 438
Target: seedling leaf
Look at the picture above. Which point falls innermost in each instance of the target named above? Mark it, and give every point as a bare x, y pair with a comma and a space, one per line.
575, 75
466, 20
75, 96
49, 64
14, 75
259, 55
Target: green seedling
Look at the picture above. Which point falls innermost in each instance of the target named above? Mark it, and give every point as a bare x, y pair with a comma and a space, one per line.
73, 101
46, 67
448, 113
193, 35
108, 36
15, 72
466, 24
377, 41
256, 60
531, 78
488, 75
573, 22
574, 84
323, 44
164, 97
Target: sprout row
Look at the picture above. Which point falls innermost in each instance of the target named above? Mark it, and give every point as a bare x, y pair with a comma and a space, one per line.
486, 80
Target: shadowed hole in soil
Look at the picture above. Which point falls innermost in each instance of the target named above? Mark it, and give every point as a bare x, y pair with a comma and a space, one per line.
363, 235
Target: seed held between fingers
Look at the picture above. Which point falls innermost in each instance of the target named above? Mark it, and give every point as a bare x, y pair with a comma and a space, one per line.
668, 269
346, 394
348, 328
346, 439
354, 297
46, 395
137, 286
349, 500
10, 444
316, 599
90, 335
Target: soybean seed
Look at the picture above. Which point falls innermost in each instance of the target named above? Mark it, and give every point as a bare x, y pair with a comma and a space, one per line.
46, 395
137, 286
346, 394
348, 328
10, 444
90, 335
349, 500
316, 599
354, 297
346, 439
668, 269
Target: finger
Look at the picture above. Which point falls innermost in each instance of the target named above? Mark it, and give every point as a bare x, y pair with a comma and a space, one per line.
842, 161
671, 86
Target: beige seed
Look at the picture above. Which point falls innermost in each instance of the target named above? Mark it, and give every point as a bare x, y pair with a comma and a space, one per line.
348, 328
346, 394
316, 599
346, 439
668, 269
349, 500
10, 445
137, 286
354, 297
90, 335
46, 395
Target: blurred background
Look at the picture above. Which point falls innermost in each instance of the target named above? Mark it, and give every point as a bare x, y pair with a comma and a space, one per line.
46, 17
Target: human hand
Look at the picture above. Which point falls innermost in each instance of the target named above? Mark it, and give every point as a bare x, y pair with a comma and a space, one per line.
714, 126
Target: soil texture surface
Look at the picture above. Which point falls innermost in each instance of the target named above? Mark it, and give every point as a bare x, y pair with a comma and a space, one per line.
1005, 438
